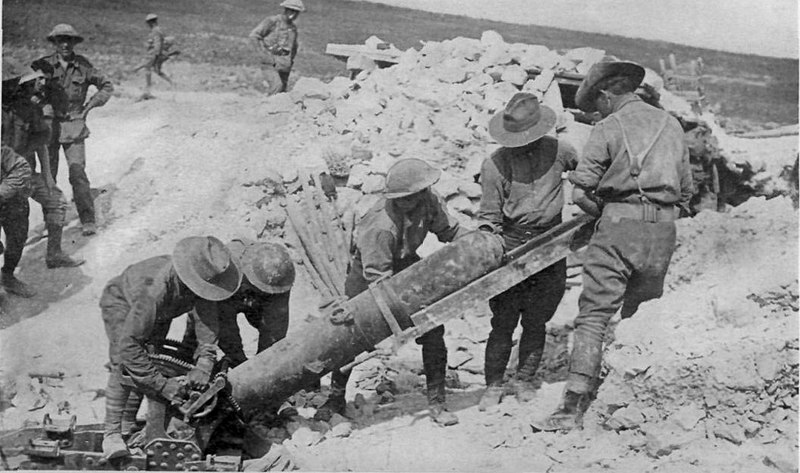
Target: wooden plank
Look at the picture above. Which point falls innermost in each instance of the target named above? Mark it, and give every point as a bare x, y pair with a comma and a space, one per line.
553, 246
347, 50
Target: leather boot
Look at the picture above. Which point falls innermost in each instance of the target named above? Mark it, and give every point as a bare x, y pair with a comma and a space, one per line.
524, 386
114, 446
15, 286
569, 416
441, 415
56, 258
491, 397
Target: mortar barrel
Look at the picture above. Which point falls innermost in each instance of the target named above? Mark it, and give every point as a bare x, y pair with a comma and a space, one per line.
320, 346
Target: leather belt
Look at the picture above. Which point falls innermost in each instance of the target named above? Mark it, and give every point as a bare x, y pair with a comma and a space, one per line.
644, 211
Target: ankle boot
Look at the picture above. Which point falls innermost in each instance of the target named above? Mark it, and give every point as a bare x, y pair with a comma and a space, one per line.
569, 416
56, 258
524, 386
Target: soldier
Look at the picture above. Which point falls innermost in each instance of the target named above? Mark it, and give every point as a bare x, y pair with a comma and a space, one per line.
72, 76
263, 298
703, 158
633, 174
26, 130
157, 53
522, 198
276, 39
137, 308
15, 176
387, 238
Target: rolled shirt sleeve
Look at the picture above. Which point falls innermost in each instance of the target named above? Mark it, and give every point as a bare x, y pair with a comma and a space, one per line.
15, 176
594, 161
376, 254
136, 332
104, 87
490, 210
443, 225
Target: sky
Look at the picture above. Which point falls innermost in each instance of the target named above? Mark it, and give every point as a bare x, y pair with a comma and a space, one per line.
761, 27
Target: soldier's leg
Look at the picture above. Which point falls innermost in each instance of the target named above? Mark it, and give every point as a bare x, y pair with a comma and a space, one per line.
284, 75
114, 309
15, 225
54, 209
434, 363
505, 309
272, 79
52, 151
545, 291
647, 281
76, 159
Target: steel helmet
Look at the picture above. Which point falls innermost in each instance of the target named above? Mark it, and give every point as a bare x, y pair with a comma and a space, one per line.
268, 266
64, 29
294, 5
151, 17
408, 176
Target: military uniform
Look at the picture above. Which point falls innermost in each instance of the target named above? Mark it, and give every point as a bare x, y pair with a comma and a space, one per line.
523, 197
629, 254
277, 37
25, 130
15, 176
386, 243
66, 94
268, 313
137, 309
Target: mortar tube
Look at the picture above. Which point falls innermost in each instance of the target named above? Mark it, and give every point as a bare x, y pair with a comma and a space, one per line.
306, 355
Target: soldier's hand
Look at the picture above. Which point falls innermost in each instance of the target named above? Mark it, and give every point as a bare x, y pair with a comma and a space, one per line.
340, 316
174, 390
199, 376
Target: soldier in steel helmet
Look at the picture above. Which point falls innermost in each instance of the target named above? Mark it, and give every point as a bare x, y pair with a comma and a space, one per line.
387, 239
263, 298
72, 74
275, 39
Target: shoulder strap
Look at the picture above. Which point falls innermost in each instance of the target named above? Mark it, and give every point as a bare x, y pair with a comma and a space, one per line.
638, 159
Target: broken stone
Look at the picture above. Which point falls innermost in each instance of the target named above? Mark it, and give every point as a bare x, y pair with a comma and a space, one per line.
280, 103
515, 74
625, 418
342, 429
471, 189
462, 204
358, 175
306, 437
687, 417
373, 184
310, 88
491, 38
731, 432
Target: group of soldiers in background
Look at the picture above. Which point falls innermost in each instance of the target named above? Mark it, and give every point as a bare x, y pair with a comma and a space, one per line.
634, 175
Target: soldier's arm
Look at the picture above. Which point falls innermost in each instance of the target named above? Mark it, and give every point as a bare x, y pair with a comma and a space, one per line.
104, 90
443, 225
591, 167
687, 183
376, 254
260, 32
16, 175
490, 209
136, 332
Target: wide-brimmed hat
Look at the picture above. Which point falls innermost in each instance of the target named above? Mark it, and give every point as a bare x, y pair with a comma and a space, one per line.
206, 267
296, 5
587, 91
151, 17
523, 120
409, 176
64, 29
266, 265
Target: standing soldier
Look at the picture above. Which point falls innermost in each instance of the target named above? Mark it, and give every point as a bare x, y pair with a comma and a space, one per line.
387, 239
15, 176
26, 130
633, 174
72, 76
137, 308
157, 54
522, 198
263, 298
276, 39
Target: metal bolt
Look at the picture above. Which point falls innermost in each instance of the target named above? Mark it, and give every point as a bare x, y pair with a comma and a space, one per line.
90, 461
151, 452
180, 456
165, 454
152, 463
164, 465
159, 445
187, 447
195, 456
194, 468
179, 466
173, 445
102, 461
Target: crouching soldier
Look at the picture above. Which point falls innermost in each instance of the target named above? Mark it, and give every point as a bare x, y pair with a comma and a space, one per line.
523, 198
137, 308
263, 298
387, 239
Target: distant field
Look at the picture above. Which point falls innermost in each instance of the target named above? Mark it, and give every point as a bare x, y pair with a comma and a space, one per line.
750, 88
